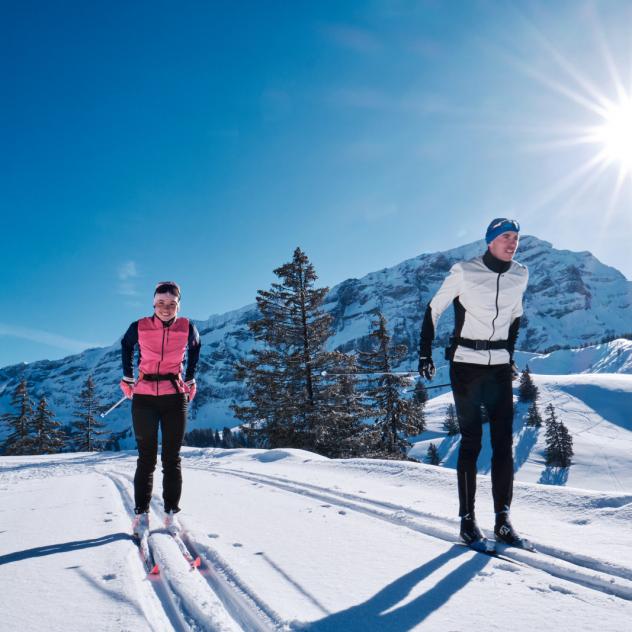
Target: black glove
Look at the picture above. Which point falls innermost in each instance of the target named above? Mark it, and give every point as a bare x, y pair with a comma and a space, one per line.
426, 368
515, 373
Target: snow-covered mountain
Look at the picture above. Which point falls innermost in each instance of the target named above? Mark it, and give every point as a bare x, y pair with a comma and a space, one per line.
572, 300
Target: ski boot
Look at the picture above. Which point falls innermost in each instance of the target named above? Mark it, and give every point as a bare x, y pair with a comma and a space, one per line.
469, 529
472, 536
172, 524
140, 525
506, 534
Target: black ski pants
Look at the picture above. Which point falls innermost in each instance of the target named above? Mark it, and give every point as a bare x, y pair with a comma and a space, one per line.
170, 412
474, 385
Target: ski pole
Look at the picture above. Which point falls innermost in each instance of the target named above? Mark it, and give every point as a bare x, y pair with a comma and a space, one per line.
409, 373
109, 410
437, 386
325, 373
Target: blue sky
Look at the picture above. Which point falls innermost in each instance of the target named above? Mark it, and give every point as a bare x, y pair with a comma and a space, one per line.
202, 142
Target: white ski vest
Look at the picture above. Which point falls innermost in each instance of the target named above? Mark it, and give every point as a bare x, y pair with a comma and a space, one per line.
486, 304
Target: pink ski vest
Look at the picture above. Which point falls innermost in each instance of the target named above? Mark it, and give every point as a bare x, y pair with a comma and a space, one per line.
161, 351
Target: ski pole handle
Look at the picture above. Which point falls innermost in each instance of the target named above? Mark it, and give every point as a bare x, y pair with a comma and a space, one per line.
437, 386
109, 410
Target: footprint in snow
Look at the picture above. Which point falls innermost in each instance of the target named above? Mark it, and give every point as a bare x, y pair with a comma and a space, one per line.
325, 505
213, 535
342, 512
259, 553
508, 567
237, 545
107, 520
561, 589
109, 577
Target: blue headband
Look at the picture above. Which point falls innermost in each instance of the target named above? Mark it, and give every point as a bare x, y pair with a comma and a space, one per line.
499, 226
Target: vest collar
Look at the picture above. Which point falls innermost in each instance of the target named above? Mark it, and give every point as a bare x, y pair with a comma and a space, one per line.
494, 264
165, 323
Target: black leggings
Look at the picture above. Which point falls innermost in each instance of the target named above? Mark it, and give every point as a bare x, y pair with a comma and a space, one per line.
474, 385
170, 411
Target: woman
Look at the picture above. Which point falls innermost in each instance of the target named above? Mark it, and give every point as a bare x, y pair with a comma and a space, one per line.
159, 396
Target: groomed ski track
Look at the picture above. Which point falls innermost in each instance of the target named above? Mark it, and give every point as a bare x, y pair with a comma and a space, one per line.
291, 541
210, 598
583, 570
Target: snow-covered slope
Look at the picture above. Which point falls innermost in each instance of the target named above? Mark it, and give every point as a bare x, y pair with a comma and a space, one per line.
596, 408
572, 299
612, 357
289, 540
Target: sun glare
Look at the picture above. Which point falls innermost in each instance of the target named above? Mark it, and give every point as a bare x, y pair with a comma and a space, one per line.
615, 135
610, 135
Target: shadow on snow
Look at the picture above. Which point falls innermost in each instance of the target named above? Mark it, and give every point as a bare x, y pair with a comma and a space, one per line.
63, 547
373, 615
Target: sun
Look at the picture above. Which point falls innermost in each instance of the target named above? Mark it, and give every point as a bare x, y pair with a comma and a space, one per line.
615, 135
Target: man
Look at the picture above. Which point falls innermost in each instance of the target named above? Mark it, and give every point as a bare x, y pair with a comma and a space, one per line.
160, 396
486, 293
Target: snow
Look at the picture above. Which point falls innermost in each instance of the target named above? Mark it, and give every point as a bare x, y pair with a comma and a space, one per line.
290, 540
611, 357
597, 410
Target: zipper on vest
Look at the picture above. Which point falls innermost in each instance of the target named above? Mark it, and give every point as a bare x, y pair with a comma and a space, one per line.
162, 355
495, 317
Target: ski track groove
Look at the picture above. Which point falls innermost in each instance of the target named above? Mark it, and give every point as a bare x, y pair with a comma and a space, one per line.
603, 577
166, 599
244, 606
190, 613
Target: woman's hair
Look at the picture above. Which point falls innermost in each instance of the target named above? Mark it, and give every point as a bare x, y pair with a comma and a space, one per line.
168, 287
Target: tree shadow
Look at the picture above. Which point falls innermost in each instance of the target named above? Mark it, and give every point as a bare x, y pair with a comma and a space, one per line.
527, 438
554, 476
449, 450
63, 547
373, 615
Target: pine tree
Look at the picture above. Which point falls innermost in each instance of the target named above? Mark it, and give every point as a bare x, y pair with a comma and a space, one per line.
432, 456
200, 438
534, 420
566, 445
239, 439
527, 391
87, 426
19, 439
345, 435
395, 416
450, 422
420, 394
559, 443
217, 440
227, 438
48, 438
290, 404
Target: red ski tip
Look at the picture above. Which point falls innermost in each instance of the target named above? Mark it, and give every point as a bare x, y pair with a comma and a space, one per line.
155, 570
196, 562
